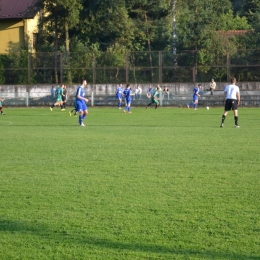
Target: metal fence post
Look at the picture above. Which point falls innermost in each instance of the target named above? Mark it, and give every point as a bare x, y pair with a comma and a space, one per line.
160, 67
29, 69
92, 98
228, 67
61, 68
127, 68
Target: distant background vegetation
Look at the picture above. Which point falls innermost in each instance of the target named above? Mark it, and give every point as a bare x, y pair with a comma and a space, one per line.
105, 33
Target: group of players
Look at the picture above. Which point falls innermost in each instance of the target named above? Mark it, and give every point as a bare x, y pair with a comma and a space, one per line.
127, 93
231, 98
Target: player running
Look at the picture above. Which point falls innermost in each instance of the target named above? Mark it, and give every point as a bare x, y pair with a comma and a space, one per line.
1, 106
155, 97
59, 102
195, 97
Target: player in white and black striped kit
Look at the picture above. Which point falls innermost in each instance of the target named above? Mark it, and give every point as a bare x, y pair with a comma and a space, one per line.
232, 96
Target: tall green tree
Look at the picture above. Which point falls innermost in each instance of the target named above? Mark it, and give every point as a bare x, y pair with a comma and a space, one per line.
60, 16
200, 24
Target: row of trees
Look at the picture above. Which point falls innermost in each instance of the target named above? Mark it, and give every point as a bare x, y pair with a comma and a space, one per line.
117, 27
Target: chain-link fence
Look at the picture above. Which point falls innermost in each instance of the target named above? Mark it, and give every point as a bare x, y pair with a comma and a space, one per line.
133, 67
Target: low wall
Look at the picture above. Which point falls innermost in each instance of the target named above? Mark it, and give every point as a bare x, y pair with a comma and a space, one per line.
104, 94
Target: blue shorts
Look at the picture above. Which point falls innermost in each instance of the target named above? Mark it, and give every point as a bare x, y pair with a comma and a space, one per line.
128, 100
119, 96
81, 106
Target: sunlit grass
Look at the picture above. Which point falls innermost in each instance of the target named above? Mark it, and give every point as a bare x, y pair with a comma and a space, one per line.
155, 184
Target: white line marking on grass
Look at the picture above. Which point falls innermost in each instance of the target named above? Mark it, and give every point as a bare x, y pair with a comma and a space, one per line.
8, 122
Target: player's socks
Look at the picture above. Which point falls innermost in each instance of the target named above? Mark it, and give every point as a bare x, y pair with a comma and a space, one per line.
80, 119
156, 106
195, 106
236, 119
223, 119
83, 117
191, 104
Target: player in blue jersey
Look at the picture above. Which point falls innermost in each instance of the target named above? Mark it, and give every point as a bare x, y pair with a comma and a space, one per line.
82, 102
119, 93
128, 99
195, 97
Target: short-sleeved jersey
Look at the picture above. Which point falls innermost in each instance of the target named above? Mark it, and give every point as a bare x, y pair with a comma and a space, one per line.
119, 92
80, 92
155, 97
196, 91
59, 92
1, 103
127, 93
231, 91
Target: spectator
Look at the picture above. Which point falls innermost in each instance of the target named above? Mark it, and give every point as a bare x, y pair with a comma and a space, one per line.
212, 86
138, 92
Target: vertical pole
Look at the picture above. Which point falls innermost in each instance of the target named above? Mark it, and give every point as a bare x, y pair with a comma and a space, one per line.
92, 98
94, 71
228, 67
29, 69
174, 52
127, 68
61, 68
160, 67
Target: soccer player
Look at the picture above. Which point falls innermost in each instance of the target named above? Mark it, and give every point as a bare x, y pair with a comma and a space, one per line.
64, 96
74, 110
232, 96
127, 94
59, 102
1, 106
195, 97
82, 102
119, 92
155, 97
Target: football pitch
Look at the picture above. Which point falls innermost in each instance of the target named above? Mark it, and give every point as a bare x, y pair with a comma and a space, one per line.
155, 184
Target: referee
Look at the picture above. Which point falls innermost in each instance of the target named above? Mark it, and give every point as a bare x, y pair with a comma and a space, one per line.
232, 96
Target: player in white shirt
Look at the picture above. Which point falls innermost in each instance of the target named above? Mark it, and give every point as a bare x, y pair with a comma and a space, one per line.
232, 96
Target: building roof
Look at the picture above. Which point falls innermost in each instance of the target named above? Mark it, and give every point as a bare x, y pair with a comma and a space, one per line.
231, 33
16, 9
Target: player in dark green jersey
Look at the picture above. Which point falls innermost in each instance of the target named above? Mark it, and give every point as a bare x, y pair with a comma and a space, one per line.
1, 106
155, 97
59, 102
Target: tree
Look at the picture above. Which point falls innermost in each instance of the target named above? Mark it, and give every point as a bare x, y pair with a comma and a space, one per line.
199, 23
59, 17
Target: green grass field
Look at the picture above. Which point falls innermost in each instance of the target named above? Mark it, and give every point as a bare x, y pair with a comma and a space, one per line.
156, 184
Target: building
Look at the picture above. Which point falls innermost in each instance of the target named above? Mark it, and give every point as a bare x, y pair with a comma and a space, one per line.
18, 25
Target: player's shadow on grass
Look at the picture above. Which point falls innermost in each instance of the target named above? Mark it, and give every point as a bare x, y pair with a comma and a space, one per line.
69, 237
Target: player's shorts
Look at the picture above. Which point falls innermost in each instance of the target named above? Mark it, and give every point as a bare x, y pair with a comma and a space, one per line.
128, 100
155, 101
58, 100
64, 98
81, 106
119, 96
230, 104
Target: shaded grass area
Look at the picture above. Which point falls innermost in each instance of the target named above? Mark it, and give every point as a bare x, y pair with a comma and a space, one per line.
156, 184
